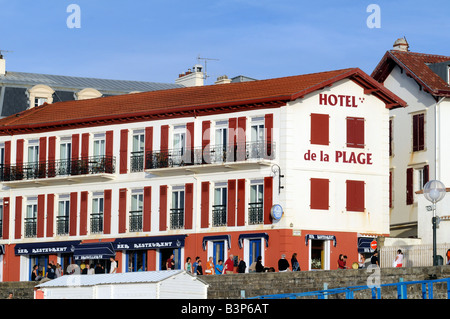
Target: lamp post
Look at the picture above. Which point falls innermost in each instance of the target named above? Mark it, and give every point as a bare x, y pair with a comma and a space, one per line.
434, 191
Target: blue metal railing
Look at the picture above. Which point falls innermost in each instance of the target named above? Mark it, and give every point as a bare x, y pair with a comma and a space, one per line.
402, 291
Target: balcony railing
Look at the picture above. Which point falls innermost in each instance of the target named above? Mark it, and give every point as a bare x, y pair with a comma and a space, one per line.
255, 213
62, 225
83, 166
177, 218
96, 223
135, 220
211, 154
219, 215
30, 227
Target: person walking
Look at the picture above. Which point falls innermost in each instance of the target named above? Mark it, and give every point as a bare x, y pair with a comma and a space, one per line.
283, 264
259, 266
374, 259
241, 265
219, 267
113, 267
229, 265
209, 266
188, 265
398, 262
294, 262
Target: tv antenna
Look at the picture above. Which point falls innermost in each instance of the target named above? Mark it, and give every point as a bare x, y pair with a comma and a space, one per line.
206, 62
2, 52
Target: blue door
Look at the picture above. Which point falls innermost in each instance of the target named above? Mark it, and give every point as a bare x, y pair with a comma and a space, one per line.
255, 250
218, 251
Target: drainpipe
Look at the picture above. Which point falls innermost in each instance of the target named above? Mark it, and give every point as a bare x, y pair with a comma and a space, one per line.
437, 141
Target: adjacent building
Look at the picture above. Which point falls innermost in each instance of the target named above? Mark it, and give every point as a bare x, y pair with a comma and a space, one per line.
298, 164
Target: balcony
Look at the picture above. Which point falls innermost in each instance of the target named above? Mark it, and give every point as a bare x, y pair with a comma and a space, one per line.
255, 213
62, 225
94, 168
212, 158
96, 223
30, 225
136, 221
219, 215
177, 218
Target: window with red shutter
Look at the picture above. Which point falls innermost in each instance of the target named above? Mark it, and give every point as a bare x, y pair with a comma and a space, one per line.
409, 186
355, 196
319, 193
355, 132
320, 129
418, 132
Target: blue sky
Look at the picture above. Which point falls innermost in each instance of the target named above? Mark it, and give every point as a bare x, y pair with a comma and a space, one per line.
155, 40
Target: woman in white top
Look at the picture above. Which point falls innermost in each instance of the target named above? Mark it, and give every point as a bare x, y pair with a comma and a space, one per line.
398, 262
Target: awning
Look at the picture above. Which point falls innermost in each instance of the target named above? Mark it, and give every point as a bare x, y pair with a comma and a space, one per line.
156, 242
320, 237
364, 244
46, 248
216, 238
253, 236
103, 250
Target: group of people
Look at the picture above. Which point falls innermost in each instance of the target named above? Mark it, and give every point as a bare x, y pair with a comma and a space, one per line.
53, 271
228, 267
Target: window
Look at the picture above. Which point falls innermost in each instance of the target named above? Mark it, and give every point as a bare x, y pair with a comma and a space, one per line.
177, 210
137, 204
97, 212
99, 145
39, 101
179, 144
355, 132
31, 217
391, 136
257, 147
255, 209
355, 196
62, 220
418, 132
320, 129
220, 205
416, 178
65, 155
257, 129
319, 193
137, 153
221, 141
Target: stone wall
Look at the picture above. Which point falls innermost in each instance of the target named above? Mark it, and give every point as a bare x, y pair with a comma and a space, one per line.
20, 290
255, 284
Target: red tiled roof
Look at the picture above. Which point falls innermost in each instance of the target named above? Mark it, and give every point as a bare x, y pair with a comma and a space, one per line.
415, 65
184, 101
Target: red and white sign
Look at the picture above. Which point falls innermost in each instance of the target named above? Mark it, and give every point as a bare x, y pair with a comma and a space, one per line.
373, 244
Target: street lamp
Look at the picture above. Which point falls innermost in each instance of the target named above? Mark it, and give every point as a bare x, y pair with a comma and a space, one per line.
434, 191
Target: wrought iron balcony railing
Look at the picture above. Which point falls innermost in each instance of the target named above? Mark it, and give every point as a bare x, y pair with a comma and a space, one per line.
30, 227
96, 223
62, 225
135, 220
219, 215
83, 166
177, 218
211, 154
255, 213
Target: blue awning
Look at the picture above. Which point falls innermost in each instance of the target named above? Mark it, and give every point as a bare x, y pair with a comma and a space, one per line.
216, 238
364, 244
46, 248
103, 250
320, 237
157, 242
253, 236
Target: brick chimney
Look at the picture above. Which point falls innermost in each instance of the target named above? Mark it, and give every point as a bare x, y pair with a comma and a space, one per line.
2, 65
194, 77
401, 45
223, 80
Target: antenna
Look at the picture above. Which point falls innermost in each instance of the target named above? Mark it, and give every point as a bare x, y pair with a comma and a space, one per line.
206, 61
4, 51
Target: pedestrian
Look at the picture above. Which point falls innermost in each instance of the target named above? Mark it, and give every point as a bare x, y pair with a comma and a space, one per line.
10, 296
113, 266
398, 261
229, 265
241, 265
209, 266
188, 265
294, 262
58, 270
341, 262
374, 259
199, 268
35, 274
194, 265
219, 267
170, 264
259, 266
50, 272
283, 264
448, 257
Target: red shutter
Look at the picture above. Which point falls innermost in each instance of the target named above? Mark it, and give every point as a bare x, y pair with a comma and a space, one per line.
73, 214
231, 203
241, 202
83, 213
426, 174
122, 210
188, 205
319, 193
40, 216
50, 214
418, 132
109, 142
164, 146
355, 132
268, 125
241, 149
5, 218
355, 196
409, 186
42, 150
232, 139
163, 207
75, 146
85, 145
7, 153
320, 129
18, 225
189, 159
148, 156
204, 223
268, 199
206, 140
390, 189
19, 152
51, 156
147, 208
107, 211
123, 151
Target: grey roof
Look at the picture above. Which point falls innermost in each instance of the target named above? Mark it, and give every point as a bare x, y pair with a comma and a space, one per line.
77, 83
118, 278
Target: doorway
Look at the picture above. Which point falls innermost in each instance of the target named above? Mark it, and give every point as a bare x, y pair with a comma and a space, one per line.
319, 254
165, 254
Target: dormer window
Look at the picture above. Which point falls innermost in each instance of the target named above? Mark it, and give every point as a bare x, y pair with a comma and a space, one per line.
40, 94
39, 101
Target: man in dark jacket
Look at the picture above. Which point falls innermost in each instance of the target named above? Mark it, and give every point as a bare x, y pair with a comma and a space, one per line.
283, 264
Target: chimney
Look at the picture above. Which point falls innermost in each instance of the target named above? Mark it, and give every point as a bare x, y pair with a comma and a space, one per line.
223, 80
192, 77
401, 45
2, 65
